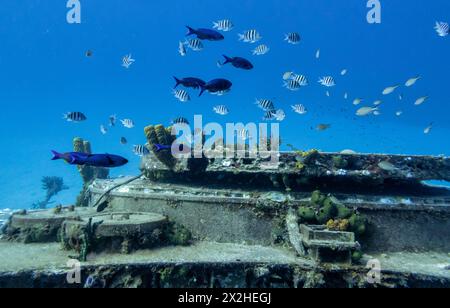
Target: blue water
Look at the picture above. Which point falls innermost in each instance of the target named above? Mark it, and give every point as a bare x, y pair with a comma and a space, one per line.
44, 73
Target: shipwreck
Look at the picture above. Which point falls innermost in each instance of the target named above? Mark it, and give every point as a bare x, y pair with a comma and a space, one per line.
317, 220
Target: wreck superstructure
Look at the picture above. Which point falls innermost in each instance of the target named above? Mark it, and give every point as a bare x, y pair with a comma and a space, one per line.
316, 220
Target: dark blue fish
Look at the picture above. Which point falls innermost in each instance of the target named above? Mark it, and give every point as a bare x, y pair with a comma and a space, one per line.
160, 147
94, 160
205, 34
238, 62
216, 85
189, 82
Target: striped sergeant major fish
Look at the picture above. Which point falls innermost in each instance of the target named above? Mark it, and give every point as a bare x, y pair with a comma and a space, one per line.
180, 121
300, 109
140, 150
327, 81
223, 25
182, 95
221, 110
293, 38
442, 29
300, 79
75, 117
127, 61
128, 123
292, 85
194, 44
261, 50
250, 36
182, 49
265, 104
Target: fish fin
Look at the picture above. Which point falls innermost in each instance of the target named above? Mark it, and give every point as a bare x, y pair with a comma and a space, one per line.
191, 31
241, 37
178, 81
56, 155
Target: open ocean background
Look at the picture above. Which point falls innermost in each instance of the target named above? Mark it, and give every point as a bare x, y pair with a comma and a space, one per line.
44, 73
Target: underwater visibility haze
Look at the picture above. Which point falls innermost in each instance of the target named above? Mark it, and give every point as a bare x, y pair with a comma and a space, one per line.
121, 60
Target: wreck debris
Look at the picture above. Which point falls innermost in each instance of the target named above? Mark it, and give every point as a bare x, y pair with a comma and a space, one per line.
329, 246
40, 226
294, 232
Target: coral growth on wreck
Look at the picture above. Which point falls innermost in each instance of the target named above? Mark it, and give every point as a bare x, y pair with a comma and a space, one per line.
88, 173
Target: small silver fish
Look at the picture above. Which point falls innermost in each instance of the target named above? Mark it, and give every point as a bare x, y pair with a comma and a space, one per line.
364, 111
399, 113
357, 101
428, 129
390, 90
344, 72
412, 81
103, 130
318, 54
378, 102
421, 100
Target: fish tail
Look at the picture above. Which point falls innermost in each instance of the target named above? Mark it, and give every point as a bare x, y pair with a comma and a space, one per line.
227, 60
241, 37
202, 90
178, 81
191, 31
158, 148
56, 155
